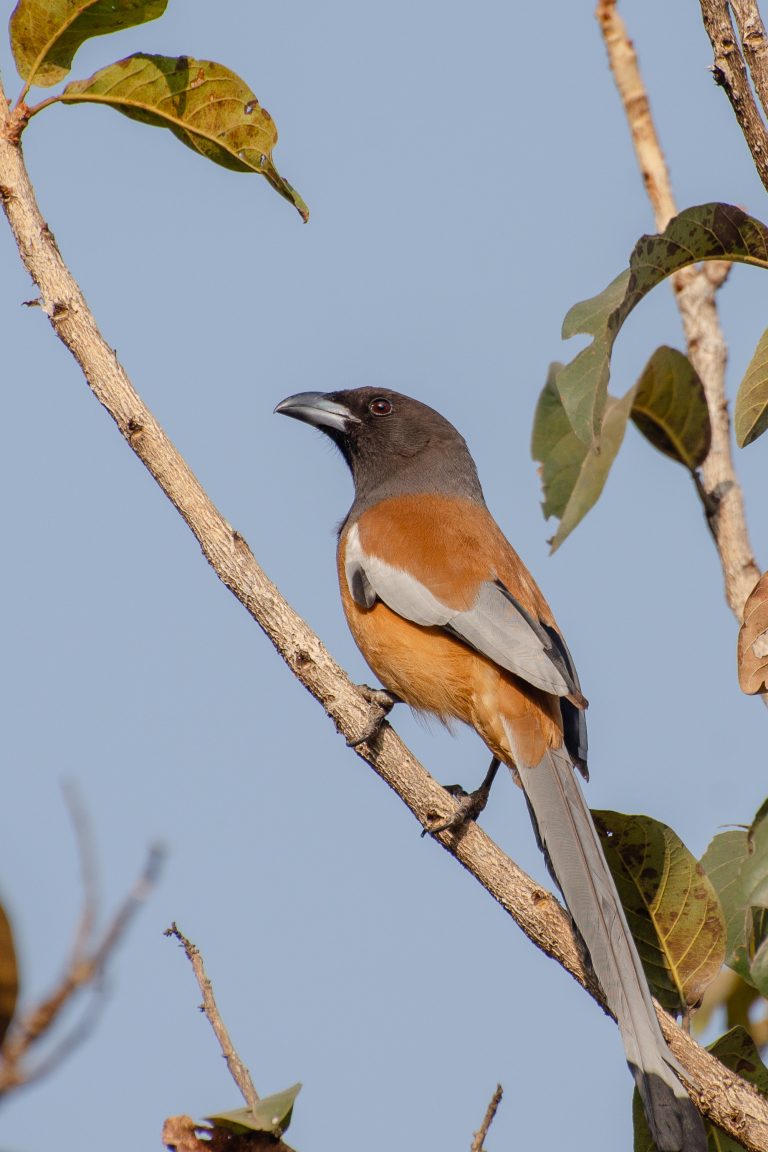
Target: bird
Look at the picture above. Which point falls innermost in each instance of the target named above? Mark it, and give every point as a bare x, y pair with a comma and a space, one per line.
452, 623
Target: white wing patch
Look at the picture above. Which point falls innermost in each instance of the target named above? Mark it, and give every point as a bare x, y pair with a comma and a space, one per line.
370, 578
492, 626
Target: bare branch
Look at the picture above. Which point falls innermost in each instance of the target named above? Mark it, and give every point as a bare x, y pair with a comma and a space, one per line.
490, 1112
83, 970
87, 857
695, 289
626, 73
237, 1068
754, 43
730, 72
729, 1101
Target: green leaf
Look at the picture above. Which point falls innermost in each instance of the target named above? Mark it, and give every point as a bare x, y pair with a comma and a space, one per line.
737, 864
750, 415
754, 872
207, 107
671, 906
737, 1050
760, 815
46, 34
271, 1114
583, 383
754, 885
708, 232
9, 975
572, 475
758, 969
722, 863
670, 408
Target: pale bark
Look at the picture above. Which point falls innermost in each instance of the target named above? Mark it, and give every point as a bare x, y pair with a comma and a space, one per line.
731, 73
237, 1067
755, 45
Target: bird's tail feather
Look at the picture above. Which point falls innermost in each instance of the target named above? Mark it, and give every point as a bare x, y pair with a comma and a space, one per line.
575, 857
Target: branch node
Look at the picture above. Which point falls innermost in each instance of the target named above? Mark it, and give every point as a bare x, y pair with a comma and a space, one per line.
16, 123
135, 430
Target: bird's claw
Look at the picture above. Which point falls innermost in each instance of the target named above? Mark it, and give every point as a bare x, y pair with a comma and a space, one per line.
468, 807
380, 704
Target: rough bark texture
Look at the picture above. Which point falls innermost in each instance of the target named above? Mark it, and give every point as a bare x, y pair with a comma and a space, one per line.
755, 44
726, 1099
731, 73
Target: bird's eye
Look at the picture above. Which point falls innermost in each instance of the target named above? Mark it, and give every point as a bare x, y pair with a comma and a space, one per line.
380, 407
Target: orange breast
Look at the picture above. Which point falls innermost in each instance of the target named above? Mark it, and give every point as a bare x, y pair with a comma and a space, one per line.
429, 669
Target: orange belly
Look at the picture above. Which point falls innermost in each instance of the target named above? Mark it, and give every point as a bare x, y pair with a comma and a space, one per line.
433, 672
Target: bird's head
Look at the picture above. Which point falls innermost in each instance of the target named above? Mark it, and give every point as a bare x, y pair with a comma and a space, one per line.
392, 443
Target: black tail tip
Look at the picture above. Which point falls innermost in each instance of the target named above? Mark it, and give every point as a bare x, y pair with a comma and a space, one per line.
674, 1122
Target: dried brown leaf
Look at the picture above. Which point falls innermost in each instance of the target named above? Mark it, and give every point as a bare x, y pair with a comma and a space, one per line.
753, 640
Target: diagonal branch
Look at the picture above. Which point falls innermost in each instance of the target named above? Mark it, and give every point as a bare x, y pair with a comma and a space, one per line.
754, 43
731, 73
695, 292
725, 1098
84, 969
490, 1113
237, 1068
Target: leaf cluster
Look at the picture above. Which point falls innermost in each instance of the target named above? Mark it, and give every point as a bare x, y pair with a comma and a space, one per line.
204, 104
579, 427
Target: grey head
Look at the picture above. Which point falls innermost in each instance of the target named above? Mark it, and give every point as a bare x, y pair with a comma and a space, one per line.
394, 445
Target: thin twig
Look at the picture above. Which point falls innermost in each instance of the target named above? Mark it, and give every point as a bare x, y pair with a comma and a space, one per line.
626, 73
78, 1034
83, 971
695, 289
730, 72
87, 857
490, 1112
732, 1103
237, 1068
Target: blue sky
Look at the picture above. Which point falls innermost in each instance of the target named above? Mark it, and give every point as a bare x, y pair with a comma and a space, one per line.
470, 177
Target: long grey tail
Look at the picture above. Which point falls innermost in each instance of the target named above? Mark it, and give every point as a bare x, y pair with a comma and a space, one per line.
571, 846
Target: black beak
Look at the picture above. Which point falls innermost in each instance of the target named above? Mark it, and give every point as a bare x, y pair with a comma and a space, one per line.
318, 409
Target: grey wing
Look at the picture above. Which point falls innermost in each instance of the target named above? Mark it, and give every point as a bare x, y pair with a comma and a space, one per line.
500, 627
496, 625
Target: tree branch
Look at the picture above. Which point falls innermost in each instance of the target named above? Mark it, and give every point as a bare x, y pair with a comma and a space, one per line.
695, 292
237, 1068
86, 965
490, 1113
725, 1098
731, 74
755, 45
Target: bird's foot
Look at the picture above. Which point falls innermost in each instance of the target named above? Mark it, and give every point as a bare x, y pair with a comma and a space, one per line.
469, 804
380, 704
